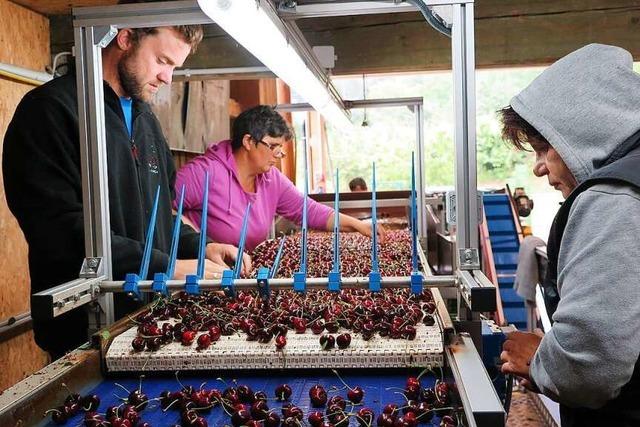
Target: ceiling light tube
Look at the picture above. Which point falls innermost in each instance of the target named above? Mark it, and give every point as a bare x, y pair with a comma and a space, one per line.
251, 26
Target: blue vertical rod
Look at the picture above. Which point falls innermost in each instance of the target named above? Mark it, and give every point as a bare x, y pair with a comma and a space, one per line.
374, 223
173, 253
336, 226
243, 238
414, 217
303, 255
148, 244
203, 227
276, 262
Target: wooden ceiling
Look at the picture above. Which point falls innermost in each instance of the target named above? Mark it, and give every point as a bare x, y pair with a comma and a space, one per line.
507, 33
60, 7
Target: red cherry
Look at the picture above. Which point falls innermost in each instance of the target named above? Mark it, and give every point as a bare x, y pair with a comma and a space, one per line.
214, 333
355, 394
315, 419
327, 342
281, 342
188, 337
283, 392
343, 340
204, 341
365, 417
318, 396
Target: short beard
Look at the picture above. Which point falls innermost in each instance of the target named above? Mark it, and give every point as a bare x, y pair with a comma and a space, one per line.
128, 78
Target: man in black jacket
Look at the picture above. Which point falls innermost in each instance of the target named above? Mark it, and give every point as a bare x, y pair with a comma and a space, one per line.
41, 167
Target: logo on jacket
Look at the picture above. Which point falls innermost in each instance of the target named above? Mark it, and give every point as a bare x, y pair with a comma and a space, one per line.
152, 162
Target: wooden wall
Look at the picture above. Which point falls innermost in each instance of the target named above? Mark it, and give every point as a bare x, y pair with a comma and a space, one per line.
24, 37
193, 115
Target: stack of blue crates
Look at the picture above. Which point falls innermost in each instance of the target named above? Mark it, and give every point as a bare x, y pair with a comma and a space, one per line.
505, 243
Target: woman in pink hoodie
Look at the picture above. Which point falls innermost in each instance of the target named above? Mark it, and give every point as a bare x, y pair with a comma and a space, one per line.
241, 171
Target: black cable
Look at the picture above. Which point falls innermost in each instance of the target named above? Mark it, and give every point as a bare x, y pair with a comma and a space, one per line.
432, 19
508, 392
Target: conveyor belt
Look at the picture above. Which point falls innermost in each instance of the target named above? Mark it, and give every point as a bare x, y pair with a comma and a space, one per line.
302, 351
381, 387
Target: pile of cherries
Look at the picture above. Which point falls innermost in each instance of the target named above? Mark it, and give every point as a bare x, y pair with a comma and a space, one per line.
125, 415
203, 319
244, 407
355, 260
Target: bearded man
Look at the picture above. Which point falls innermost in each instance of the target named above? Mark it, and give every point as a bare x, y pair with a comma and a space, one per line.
42, 175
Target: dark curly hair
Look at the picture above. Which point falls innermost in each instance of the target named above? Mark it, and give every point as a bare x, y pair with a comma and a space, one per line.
259, 122
519, 132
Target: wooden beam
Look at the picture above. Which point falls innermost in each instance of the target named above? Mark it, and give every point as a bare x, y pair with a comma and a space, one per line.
508, 33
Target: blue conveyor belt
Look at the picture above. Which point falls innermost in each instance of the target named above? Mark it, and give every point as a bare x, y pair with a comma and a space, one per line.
380, 386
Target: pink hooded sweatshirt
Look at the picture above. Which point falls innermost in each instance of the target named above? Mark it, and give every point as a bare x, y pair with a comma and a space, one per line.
275, 194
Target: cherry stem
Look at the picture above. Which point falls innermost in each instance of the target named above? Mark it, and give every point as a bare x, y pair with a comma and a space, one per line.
122, 387
179, 382
341, 380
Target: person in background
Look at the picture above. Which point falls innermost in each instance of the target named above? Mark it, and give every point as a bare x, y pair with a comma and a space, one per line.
581, 118
42, 176
358, 184
241, 171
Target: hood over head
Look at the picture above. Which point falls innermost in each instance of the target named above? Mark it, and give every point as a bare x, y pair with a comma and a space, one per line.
587, 106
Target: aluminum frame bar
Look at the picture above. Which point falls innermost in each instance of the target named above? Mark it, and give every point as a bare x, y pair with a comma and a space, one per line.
463, 49
354, 7
60, 299
236, 73
141, 15
93, 156
476, 390
311, 283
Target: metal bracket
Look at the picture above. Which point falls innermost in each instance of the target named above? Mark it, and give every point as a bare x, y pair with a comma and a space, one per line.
227, 283
287, 6
105, 34
299, 281
263, 283
131, 286
450, 207
334, 281
160, 284
416, 282
374, 281
468, 259
91, 267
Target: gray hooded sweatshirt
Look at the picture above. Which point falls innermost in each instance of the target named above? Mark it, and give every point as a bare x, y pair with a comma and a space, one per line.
587, 106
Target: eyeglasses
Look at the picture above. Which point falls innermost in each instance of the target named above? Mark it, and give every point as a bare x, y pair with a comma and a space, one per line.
276, 149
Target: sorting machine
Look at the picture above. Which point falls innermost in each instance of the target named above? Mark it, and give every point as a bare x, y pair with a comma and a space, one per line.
450, 349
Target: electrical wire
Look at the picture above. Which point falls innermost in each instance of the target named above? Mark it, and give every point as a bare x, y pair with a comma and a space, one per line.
431, 18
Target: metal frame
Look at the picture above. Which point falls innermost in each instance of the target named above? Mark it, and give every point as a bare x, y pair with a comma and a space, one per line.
416, 106
463, 55
93, 29
476, 391
323, 10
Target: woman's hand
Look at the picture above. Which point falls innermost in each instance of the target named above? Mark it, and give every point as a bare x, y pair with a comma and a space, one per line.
366, 228
221, 253
185, 267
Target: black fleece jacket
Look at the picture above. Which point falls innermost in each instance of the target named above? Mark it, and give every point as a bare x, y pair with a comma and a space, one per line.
42, 179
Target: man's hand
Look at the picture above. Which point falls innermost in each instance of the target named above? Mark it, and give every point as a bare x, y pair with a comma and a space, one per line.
190, 266
222, 254
517, 353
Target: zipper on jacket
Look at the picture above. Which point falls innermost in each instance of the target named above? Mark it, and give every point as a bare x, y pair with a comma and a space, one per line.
134, 151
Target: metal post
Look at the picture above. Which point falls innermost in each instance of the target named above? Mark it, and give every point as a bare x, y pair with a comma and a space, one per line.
420, 184
93, 152
465, 126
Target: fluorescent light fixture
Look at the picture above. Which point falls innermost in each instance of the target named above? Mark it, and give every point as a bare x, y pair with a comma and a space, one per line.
251, 26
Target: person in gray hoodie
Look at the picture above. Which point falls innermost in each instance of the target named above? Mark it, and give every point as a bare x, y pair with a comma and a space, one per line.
581, 116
